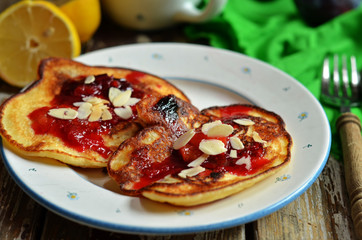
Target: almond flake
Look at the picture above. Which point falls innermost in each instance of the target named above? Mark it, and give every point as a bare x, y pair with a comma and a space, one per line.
205, 128
246, 161
95, 100
132, 101
84, 110
190, 172
77, 104
233, 153
89, 79
198, 161
124, 112
244, 121
257, 138
63, 113
183, 139
96, 113
220, 130
212, 146
236, 143
119, 97
113, 93
240, 132
106, 115
250, 131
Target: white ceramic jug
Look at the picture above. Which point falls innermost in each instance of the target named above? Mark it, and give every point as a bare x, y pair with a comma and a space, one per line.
157, 14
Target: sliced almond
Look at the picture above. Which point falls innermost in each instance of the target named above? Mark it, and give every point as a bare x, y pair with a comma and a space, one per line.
106, 115
220, 130
124, 112
95, 100
63, 113
183, 139
96, 113
77, 104
242, 131
190, 172
246, 161
132, 101
212, 146
257, 138
205, 128
84, 110
113, 93
250, 131
233, 153
118, 97
236, 143
198, 161
89, 79
244, 121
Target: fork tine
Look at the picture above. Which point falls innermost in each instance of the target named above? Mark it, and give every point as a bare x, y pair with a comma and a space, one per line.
345, 81
326, 75
355, 80
335, 76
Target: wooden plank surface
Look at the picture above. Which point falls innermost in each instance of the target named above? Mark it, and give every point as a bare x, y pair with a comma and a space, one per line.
20, 216
322, 212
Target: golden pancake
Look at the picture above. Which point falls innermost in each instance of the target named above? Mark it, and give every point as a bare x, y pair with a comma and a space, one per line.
78, 114
239, 146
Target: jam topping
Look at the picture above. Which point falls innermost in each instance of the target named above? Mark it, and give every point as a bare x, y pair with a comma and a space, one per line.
189, 160
252, 151
81, 133
234, 110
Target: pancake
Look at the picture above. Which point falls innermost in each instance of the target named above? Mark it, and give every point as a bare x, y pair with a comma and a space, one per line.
78, 114
238, 146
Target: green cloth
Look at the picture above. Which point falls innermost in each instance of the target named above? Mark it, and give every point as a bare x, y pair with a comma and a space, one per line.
273, 31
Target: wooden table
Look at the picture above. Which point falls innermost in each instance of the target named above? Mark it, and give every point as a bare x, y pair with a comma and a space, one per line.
322, 212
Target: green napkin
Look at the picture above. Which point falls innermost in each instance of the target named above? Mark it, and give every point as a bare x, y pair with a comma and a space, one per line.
273, 31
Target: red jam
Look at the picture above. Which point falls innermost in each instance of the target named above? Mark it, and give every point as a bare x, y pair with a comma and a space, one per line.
234, 110
80, 134
223, 162
213, 164
152, 172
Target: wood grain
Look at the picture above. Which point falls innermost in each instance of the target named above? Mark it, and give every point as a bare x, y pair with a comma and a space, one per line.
320, 213
57, 227
20, 216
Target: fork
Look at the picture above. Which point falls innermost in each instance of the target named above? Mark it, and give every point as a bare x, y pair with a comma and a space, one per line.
348, 125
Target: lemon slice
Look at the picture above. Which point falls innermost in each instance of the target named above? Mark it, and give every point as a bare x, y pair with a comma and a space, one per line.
29, 32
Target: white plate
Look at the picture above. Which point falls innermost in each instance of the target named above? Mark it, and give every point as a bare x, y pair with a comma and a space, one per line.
209, 77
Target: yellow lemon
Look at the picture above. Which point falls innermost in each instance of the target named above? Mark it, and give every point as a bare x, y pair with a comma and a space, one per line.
29, 32
86, 16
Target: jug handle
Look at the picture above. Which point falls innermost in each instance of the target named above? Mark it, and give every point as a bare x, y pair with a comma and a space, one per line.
192, 14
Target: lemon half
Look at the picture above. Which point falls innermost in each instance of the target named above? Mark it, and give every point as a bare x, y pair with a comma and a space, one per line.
29, 32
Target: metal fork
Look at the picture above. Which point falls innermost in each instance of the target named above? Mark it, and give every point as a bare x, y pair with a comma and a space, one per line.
348, 126
331, 87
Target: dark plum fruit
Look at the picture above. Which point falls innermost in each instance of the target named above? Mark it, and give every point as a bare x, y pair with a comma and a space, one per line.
317, 12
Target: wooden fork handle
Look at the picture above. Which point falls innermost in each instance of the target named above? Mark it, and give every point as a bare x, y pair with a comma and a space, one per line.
349, 127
